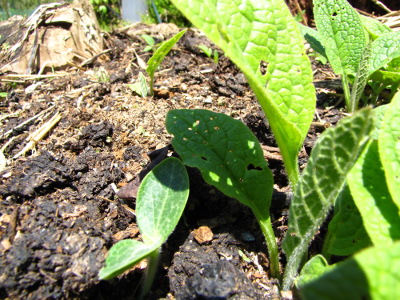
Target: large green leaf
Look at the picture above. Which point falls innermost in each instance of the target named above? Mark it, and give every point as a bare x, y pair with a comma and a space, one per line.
331, 159
343, 34
384, 49
389, 148
229, 157
374, 27
227, 154
346, 233
161, 199
370, 274
371, 195
254, 33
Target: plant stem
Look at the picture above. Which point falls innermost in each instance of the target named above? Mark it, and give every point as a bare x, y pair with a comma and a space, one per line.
347, 97
266, 227
152, 263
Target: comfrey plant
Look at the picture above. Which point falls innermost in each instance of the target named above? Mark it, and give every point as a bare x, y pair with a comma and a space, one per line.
229, 157
360, 49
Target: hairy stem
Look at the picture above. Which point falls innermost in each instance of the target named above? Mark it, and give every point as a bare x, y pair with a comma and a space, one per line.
152, 263
266, 227
347, 97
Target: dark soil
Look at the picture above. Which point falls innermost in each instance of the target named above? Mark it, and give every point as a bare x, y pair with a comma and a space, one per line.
59, 213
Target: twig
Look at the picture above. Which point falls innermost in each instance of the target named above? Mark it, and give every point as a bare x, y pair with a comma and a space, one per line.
39, 134
9, 116
381, 5
92, 59
27, 122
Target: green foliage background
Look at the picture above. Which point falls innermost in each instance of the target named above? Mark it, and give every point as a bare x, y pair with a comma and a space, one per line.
168, 13
19, 7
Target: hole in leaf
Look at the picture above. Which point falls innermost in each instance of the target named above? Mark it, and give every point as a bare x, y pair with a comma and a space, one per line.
216, 128
185, 139
334, 14
252, 167
204, 158
241, 179
190, 128
263, 67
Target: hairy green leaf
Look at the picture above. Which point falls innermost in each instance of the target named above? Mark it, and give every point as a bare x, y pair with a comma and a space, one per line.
370, 193
346, 233
161, 199
331, 159
370, 274
315, 267
343, 34
379, 113
384, 49
361, 78
389, 148
394, 65
159, 55
123, 256
374, 27
262, 39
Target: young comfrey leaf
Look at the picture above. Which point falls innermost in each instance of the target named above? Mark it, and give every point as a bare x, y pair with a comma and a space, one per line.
342, 33
332, 157
384, 49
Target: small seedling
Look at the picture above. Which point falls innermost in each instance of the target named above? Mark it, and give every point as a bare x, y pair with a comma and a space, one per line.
151, 43
161, 199
140, 87
159, 55
210, 53
102, 75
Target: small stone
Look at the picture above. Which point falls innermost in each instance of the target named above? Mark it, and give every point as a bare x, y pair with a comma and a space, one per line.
203, 234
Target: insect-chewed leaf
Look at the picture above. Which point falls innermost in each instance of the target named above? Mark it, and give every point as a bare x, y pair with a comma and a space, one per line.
262, 39
227, 154
342, 32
